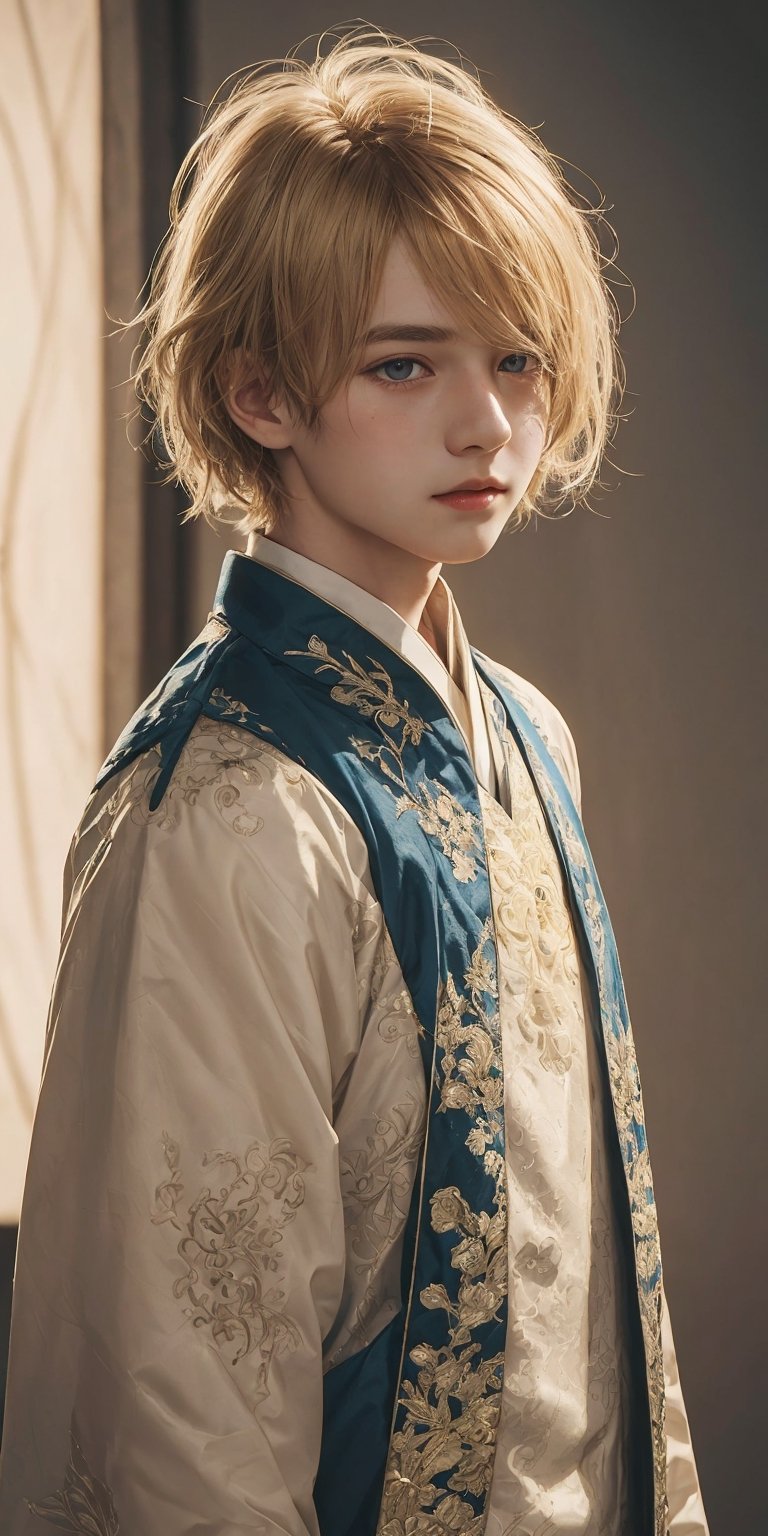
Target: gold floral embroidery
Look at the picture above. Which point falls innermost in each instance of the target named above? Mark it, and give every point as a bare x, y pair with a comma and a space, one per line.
377, 1179
364, 918
629, 1115
396, 1019
540, 1261
84, 1506
370, 693
228, 708
214, 756
630, 1123
215, 628
433, 1438
605, 1380
363, 923
541, 989
532, 923
439, 812
378, 1155
230, 1248
163, 708
526, 701
222, 706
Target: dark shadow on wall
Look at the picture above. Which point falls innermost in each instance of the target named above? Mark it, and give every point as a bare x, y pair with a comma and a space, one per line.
8, 1237
169, 123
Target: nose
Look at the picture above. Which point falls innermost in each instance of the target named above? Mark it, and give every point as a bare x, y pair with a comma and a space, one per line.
480, 419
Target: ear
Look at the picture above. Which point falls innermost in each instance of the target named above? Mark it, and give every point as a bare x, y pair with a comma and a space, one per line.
244, 390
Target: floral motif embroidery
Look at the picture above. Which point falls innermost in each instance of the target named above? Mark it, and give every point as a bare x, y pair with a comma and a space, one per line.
162, 708
376, 1183
230, 1248
225, 707
84, 1506
629, 1115
434, 1439
540, 1261
214, 756
532, 923
221, 706
379, 1153
527, 704
439, 812
604, 1384
364, 923
398, 1019
541, 996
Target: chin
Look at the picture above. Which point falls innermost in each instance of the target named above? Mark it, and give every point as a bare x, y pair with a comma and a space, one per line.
474, 545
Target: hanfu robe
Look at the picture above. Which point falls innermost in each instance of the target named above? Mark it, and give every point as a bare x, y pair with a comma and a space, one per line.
339, 1218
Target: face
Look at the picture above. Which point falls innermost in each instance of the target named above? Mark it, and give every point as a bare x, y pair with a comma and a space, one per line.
417, 419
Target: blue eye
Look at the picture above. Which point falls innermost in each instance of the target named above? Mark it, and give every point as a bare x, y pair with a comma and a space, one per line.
399, 363
519, 357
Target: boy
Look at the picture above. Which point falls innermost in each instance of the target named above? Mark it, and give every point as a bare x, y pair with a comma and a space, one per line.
339, 1216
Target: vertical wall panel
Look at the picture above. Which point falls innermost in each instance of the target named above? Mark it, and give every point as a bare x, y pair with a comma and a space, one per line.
50, 499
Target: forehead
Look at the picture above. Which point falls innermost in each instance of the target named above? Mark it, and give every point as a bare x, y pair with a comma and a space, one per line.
404, 297
401, 281
406, 307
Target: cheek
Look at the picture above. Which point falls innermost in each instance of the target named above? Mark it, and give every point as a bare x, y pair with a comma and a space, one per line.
387, 435
531, 431
377, 414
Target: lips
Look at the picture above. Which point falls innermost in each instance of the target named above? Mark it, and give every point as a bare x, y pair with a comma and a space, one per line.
473, 485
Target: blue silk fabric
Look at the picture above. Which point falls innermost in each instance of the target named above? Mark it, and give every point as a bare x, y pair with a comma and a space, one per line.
410, 1421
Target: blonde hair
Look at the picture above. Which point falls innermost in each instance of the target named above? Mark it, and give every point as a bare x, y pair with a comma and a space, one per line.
298, 182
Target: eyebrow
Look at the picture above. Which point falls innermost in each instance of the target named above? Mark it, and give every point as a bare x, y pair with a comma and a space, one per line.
402, 332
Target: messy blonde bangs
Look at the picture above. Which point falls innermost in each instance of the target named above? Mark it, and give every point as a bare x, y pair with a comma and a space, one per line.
282, 215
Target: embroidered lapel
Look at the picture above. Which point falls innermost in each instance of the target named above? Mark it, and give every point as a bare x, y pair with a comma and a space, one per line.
618, 1045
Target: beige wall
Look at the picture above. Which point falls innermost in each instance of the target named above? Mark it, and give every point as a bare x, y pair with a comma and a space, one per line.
51, 407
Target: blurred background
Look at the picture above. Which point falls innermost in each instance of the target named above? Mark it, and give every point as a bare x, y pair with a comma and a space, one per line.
644, 619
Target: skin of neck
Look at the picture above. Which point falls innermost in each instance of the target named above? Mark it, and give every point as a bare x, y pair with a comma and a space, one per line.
381, 568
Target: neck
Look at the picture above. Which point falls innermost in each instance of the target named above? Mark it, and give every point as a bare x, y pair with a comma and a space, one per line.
427, 632
393, 575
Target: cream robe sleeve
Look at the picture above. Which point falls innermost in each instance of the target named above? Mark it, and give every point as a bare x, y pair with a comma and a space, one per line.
182, 1251
686, 1508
